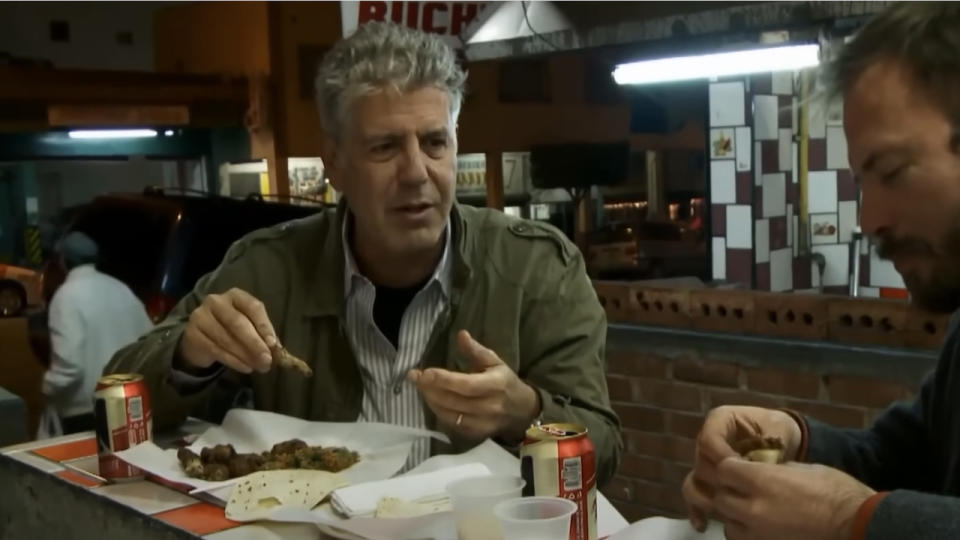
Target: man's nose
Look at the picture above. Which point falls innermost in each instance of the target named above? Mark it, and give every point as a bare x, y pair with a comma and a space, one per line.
413, 168
875, 215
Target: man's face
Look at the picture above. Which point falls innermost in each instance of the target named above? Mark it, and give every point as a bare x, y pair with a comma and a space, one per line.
900, 148
396, 164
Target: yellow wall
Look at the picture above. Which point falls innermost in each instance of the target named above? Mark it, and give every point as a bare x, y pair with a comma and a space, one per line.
212, 37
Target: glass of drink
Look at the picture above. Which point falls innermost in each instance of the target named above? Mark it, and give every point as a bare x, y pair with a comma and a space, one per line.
535, 518
473, 500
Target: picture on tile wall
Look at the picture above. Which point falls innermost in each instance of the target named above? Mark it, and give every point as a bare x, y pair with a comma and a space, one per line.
722, 144
824, 228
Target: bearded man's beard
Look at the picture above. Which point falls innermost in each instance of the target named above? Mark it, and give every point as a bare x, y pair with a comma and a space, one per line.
940, 291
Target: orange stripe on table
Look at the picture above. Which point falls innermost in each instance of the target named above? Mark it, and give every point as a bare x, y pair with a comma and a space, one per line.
201, 518
888, 292
79, 479
67, 451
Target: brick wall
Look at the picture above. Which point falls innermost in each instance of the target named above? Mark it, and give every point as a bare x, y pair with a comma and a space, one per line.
662, 402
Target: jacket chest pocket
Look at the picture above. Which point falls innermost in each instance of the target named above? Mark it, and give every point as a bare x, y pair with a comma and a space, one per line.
495, 323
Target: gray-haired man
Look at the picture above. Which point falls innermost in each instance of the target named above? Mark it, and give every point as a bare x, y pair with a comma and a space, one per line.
410, 309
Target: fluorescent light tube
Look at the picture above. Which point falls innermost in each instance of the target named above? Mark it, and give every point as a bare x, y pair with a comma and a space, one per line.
681, 68
112, 134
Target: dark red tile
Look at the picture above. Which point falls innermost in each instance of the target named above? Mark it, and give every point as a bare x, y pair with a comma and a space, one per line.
748, 107
817, 154
770, 157
718, 220
762, 83
778, 232
839, 290
744, 187
791, 190
785, 110
847, 189
864, 270
739, 266
763, 276
801, 273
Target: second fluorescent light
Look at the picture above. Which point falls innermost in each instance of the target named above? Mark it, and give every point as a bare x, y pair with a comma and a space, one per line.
112, 133
681, 68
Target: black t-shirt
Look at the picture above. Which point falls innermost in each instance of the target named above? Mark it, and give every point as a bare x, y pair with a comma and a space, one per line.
389, 307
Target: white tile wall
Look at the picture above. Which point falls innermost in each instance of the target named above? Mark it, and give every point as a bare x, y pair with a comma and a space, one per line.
883, 273
758, 167
739, 226
837, 271
785, 148
762, 253
726, 134
795, 232
796, 162
781, 270
723, 182
796, 115
790, 218
782, 83
817, 118
815, 278
821, 220
822, 192
765, 118
743, 145
726, 104
847, 220
869, 292
774, 195
835, 113
836, 148
719, 257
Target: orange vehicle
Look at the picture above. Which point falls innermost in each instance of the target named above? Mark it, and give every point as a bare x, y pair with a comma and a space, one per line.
20, 288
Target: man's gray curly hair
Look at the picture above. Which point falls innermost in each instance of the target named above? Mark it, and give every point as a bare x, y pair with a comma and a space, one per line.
384, 55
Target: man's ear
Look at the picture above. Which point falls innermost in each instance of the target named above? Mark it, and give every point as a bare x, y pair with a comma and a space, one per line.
330, 153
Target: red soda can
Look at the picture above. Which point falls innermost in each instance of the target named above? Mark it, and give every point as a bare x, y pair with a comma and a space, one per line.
559, 460
123, 419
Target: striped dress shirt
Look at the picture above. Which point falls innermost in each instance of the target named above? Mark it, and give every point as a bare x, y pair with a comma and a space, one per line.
388, 396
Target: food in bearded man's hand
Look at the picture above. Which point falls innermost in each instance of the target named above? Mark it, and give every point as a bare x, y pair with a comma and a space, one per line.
762, 449
222, 462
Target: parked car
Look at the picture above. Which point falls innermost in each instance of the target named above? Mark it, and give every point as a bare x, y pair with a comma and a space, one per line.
161, 244
20, 288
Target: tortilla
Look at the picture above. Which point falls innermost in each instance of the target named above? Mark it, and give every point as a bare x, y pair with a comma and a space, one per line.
393, 507
256, 496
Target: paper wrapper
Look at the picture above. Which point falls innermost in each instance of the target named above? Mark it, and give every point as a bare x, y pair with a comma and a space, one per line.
383, 448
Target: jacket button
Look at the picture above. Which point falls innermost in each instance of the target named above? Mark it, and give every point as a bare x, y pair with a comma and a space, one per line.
397, 389
520, 228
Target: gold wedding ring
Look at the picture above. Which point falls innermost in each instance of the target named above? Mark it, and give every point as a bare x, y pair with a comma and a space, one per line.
459, 419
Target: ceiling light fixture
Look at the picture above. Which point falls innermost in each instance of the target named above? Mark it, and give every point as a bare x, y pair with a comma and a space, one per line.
112, 134
705, 66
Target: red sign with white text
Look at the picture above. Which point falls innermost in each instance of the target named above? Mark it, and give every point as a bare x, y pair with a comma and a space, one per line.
448, 19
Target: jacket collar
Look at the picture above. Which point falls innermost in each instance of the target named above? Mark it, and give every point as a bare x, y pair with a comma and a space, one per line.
324, 269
